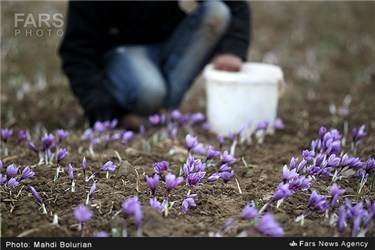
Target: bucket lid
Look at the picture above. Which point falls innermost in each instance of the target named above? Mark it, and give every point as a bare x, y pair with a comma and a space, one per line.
250, 70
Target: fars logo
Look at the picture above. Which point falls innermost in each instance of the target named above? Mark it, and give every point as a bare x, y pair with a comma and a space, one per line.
39, 24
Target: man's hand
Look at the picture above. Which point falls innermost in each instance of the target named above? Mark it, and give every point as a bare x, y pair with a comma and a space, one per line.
227, 62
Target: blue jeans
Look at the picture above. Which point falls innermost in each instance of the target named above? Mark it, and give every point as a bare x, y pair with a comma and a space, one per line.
145, 78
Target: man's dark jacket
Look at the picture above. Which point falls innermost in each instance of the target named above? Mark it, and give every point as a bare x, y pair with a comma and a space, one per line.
94, 27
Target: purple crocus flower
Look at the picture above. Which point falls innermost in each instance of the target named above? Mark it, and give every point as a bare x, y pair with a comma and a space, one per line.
226, 176
263, 125
36, 195
190, 141
293, 163
279, 123
82, 214
48, 141
62, 134
188, 202
22, 136
84, 165
199, 149
176, 115
12, 183
197, 118
370, 165
355, 213
193, 179
154, 203
336, 191
3, 178
153, 182
127, 136
319, 202
161, 167
228, 158
212, 153
154, 119
11, 170
26, 173
308, 154
289, 174
132, 206
221, 140
32, 147
341, 221
249, 212
282, 192
301, 165
101, 234
171, 181
92, 189
5, 134
1, 164
268, 227
108, 166
70, 172
299, 183
214, 177
61, 154
225, 168
358, 134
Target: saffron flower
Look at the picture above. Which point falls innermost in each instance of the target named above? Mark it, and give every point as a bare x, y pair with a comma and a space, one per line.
171, 181
193, 179
279, 123
62, 135
84, 166
153, 182
154, 203
249, 212
190, 142
228, 158
22, 136
101, 234
188, 202
268, 227
226, 176
3, 178
11, 170
6, 133
289, 174
132, 207
212, 153
109, 167
26, 173
12, 183
161, 167
341, 220
82, 214
336, 191
61, 154
38, 198
71, 177
91, 192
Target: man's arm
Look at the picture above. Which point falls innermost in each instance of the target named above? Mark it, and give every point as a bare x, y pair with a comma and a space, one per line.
234, 47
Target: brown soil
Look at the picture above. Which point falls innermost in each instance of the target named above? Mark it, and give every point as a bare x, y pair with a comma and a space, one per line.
326, 50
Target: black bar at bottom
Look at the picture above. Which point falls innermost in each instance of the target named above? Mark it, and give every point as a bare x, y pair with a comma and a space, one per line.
190, 243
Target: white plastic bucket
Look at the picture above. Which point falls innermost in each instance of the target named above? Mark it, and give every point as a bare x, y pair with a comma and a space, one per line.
237, 100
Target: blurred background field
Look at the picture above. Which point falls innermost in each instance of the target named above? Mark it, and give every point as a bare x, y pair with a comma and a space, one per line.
315, 43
